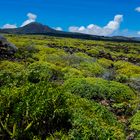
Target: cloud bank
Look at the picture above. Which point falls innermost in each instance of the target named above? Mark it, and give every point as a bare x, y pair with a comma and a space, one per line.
93, 29
9, 26
31, 18
138, 32
137, 9
58, 28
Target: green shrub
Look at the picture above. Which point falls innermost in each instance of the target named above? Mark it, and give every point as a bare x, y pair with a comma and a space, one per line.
106, 63
126, 68
58, 136
96, 87
92, 121
43, 72
32, 110
71, 72
26, 52
39, 71
135, 124
91, 69
122, 78
12, 73
99, 89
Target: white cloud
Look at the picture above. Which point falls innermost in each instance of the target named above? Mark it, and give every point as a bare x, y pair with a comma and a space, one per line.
9, 26
31, 18
137, 9
93, 29
138, 32
58, 29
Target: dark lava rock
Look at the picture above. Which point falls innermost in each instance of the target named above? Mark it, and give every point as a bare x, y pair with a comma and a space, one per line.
103, 54
7, 49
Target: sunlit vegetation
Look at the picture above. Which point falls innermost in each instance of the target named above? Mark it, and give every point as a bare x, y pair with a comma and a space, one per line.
70, 89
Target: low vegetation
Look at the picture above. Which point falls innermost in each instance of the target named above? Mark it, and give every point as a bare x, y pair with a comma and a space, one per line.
70, 89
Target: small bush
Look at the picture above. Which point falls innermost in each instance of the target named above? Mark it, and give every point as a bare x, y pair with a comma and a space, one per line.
126, 68
106, 63
96, 87
12, 73
34, 110
91, 69
92, 121
39, 72
135, 124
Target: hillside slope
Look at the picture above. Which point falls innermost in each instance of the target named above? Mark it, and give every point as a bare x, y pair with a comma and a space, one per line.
63, 88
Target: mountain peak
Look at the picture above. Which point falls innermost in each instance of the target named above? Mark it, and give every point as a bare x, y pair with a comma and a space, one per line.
31, 28
34, 24
35, 27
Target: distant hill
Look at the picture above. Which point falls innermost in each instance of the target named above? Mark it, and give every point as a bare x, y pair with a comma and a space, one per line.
38, 28
31, 28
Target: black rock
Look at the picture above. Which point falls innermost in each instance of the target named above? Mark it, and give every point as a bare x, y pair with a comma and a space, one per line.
7, 49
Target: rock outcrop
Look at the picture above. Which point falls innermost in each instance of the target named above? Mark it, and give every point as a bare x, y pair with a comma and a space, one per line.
7, 49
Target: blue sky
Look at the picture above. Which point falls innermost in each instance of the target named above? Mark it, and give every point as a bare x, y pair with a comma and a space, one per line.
87, 16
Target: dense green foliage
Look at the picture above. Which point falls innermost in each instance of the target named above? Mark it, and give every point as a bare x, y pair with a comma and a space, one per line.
70, 89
